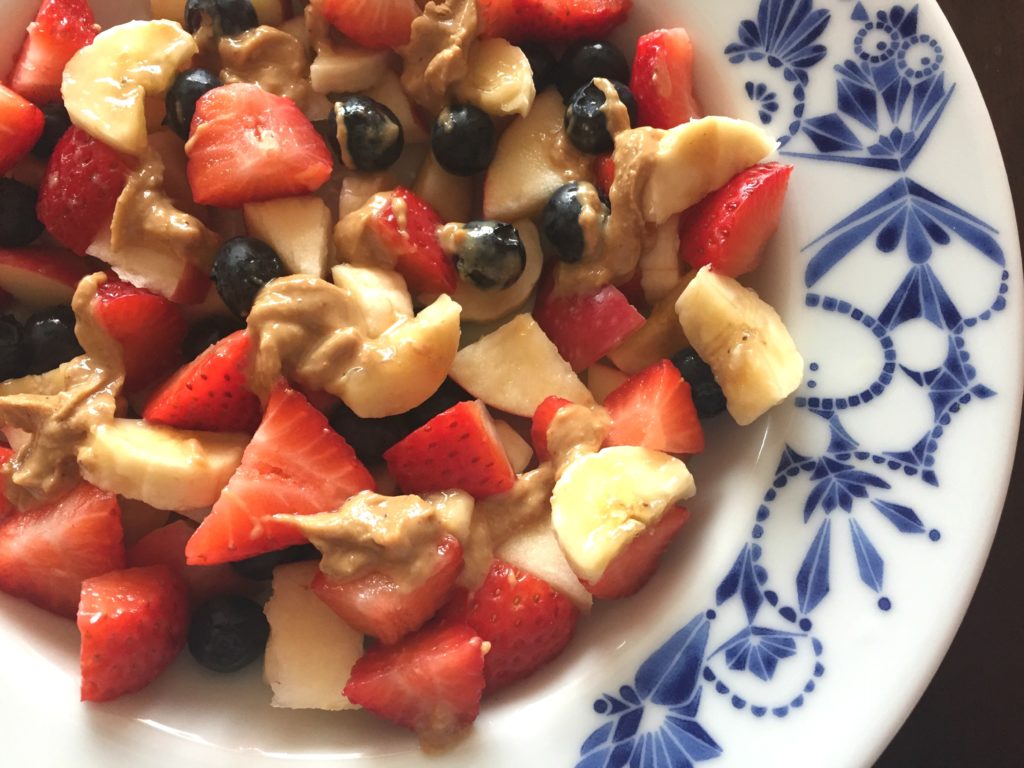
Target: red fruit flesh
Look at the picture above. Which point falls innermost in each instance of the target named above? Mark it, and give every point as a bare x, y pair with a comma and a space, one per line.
372, 23
407, 229
654, 409
555, 21
83, 180
431, 682
296, 464
21, 124
210, 393
458, 448
248, 145
662, 79
133, 624
542, 419
6, 507
46, 552
605, 169
60, 29
378, 606
730, 228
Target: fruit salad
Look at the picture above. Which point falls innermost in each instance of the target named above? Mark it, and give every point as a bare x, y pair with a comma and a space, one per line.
366, 340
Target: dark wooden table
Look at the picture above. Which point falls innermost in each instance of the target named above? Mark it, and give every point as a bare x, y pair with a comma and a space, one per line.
973, 713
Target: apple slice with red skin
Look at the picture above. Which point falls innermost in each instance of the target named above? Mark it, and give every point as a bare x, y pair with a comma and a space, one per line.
40, 277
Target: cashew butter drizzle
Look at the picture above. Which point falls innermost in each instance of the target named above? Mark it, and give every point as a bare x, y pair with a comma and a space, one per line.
268, 57
437, 55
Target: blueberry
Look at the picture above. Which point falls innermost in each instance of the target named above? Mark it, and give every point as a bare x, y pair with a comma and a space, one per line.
227, 633
463, 139
188, 87
50, 338
13, 350
242, 267
261, 567
18, 222
55, 126
585, 122
487, 253
208, 332
708, 399
542, 62
373, 134
227, 17
583, 61
707, 395
560, 221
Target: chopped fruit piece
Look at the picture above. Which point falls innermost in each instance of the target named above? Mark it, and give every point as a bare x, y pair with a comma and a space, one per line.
83, 181
554, 21
295, 464
40, 277
729, 228
248, 145
526, 621
6, 507
431, 682
149, 328
635, 565
133, 624
456, 449
535, 550
378, 606
662, 78
519, 451
605, 172
297, 228
542, 419
585, 326
372, 23
654, 409
603, 379
660, 337
210, 393
21, 125
46, 552
60, 29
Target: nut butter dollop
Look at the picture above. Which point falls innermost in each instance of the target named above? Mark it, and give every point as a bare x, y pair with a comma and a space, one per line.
268, 57
437, 55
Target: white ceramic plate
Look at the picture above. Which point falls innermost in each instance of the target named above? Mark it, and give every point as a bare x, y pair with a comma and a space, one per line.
837, 542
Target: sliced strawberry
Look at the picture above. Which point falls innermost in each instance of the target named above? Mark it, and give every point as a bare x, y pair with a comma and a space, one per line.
556, 21
83, 180
542, 419
635, 565
60, 29
296, 464
458, 448
149, 328
133, 623
21, 125
585, 326
605, 170
6, 507
166, 546
662, 79
248, 145
431, 682
372, 23
411, 238
376, 605
526, 621
729, 228
46, 552
654, 409
210, 393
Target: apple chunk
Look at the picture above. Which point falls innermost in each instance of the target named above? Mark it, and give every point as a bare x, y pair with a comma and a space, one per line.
536, 551
40, 277
298, 228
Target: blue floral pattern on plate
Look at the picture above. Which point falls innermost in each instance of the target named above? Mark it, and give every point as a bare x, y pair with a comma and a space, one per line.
889, 97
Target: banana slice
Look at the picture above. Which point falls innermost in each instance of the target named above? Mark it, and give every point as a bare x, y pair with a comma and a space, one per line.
106, 83
604, 500
745, 342
500, 80
163, 467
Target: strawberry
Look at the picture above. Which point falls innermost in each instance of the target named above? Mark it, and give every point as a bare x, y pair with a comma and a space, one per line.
542, 419
411, 238
248, 145
372, 23
634, 566
376, 605
585, 326
210, 393
526, 621
458, 448
133, 624
46, 552
431, 682
654, 409
149, 328
21, 125
83, 180
605, 171
554, 21
5, 506
295, 464
166, 546
729, 228
61, 28
662, 79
